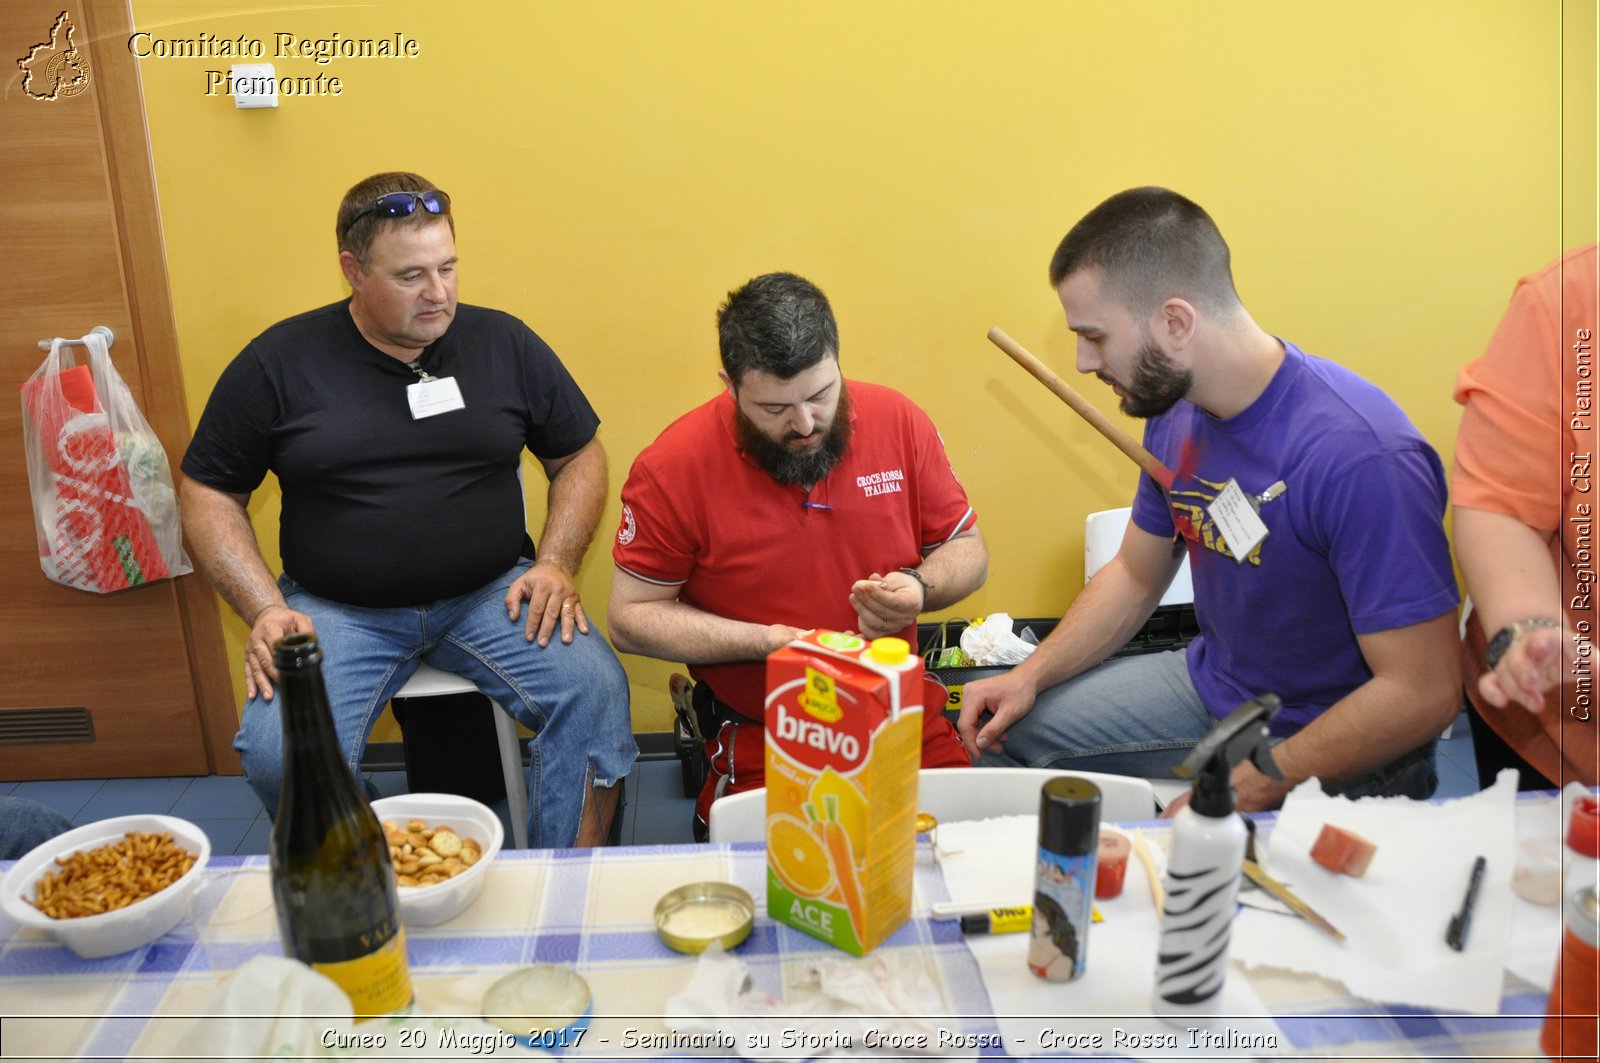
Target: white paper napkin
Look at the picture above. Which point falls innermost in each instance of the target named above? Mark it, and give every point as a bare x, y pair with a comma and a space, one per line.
989, 861
831, 1003
1394, 918
273, 1008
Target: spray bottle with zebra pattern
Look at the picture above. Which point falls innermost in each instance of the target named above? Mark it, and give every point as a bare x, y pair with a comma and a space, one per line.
1208, 846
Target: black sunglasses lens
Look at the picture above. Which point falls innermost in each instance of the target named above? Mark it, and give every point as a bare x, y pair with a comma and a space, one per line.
435, 201
395, 205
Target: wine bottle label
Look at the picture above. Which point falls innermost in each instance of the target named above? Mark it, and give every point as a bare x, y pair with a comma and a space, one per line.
378, 983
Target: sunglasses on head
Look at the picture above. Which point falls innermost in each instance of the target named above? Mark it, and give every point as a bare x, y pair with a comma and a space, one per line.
404, 204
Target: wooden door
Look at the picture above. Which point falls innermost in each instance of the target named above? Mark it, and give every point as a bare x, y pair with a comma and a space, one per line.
132, 683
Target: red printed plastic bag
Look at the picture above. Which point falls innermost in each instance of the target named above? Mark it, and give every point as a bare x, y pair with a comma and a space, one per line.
104, 508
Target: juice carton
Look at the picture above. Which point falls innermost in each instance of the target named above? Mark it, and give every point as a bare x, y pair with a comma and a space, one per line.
844, 742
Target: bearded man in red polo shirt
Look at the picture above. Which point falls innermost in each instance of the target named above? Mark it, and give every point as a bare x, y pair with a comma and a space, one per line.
793, 500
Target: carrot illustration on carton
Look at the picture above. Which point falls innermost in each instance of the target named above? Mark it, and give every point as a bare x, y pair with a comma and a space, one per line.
844, 733
844, 862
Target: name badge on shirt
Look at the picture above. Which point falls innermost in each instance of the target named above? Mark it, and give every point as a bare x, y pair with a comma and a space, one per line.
1238, 521
431, 397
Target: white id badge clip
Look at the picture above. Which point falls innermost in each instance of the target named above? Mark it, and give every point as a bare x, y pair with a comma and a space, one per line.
431, 397
1237, 519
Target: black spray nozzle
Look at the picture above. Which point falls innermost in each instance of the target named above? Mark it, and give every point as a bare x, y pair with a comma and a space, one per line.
1242, 733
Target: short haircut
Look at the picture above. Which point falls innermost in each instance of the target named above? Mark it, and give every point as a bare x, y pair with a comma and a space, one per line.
778, 324
1150, 245
357, 238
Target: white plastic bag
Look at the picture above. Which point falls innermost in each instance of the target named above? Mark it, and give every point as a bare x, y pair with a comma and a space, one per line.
104, 508
271, 1007
990, 642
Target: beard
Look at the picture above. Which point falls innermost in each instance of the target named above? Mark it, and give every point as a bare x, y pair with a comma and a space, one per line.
1157, 384
801, 468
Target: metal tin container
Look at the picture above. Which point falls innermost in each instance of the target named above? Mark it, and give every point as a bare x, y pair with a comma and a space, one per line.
691, 917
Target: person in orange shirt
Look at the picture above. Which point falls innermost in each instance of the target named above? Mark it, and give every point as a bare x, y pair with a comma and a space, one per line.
1526, 499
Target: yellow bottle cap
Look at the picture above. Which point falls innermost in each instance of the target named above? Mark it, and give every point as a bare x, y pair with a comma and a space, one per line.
890, 650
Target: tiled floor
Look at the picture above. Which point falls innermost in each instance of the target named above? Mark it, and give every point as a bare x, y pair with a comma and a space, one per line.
1458, 772
656, 813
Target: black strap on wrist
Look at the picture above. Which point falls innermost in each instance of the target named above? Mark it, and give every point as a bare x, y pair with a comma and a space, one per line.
927, 588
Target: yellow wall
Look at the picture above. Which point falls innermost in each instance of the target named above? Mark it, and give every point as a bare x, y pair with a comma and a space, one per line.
1384, 171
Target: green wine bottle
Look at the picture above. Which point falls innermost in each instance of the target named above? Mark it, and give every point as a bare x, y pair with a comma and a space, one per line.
338, 907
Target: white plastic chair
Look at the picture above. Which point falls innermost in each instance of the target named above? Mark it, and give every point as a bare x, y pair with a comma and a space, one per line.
428, 682
952, 794
1102, 537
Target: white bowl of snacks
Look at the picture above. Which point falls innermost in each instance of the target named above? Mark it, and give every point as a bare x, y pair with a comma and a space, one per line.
441, 846
108, 887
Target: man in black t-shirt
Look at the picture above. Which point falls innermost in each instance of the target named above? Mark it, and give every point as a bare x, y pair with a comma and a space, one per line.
395, 422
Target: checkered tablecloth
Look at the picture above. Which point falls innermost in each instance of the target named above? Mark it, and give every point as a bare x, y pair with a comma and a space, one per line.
592, 910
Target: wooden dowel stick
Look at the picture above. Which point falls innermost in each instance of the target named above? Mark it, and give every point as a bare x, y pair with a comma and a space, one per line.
1141, 849
1083, 408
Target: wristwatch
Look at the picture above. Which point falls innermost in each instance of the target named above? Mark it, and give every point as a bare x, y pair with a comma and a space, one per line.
1511, 633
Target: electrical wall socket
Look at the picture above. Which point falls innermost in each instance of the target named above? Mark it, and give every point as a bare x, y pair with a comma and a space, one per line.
254, 85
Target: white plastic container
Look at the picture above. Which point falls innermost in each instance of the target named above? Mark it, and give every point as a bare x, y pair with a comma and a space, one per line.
122, 930
432, 905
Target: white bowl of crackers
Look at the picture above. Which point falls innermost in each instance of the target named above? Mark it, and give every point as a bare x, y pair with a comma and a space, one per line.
108, 887
441, 846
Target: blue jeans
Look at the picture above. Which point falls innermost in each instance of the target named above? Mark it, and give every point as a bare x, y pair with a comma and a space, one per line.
25, 824
573, 697
1141, 716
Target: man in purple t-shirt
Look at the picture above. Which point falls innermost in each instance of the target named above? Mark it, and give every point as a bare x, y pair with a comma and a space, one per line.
1345, 608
